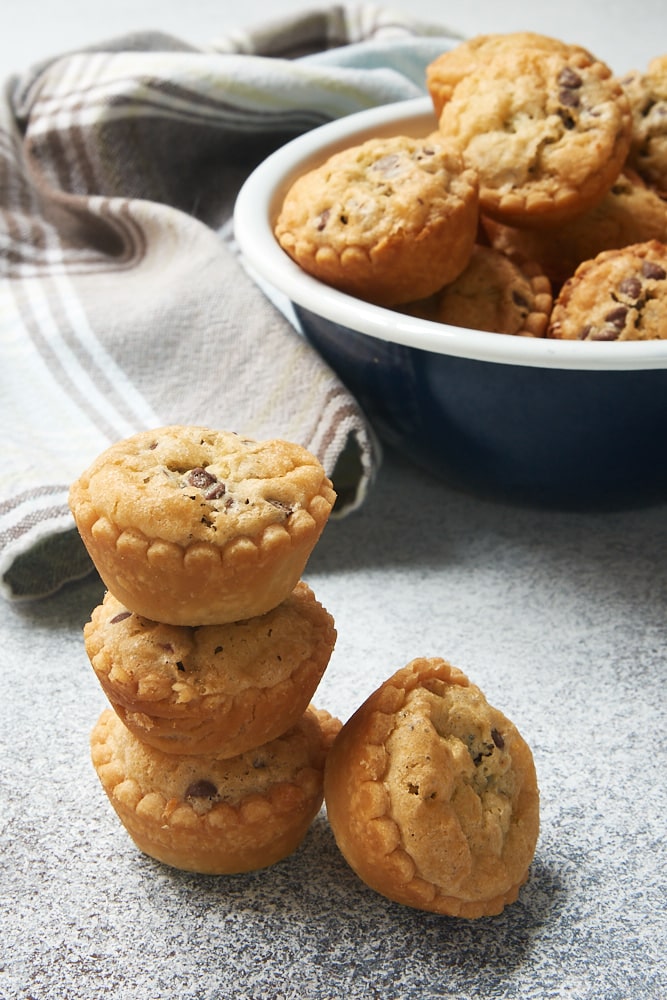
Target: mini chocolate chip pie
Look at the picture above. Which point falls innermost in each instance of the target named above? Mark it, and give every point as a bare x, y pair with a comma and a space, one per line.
211, 815
192, 526
494, 293
619, 295
211, 689
390, 220
432, 794
548, 132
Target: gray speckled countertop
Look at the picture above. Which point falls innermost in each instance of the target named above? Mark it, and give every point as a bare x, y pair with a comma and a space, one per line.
560, 618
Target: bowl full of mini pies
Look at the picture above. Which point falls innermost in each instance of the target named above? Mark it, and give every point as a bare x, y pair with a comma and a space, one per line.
486, 268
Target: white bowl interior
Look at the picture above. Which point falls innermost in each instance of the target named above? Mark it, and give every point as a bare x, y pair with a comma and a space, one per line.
258, 204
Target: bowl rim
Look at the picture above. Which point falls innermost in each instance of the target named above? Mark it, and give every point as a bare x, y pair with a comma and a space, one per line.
256, 208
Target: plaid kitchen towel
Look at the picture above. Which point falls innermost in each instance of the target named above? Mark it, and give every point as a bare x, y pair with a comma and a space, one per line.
123, 304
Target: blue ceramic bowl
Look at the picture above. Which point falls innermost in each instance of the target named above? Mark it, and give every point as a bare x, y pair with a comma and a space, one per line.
574, 425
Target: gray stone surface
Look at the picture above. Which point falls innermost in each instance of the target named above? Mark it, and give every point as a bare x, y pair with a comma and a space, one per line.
560, 618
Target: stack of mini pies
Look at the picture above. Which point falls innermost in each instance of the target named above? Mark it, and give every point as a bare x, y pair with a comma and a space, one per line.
208, 644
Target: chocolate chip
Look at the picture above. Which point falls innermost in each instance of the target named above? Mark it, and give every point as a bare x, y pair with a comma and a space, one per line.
605, 333
652, 270
632, 287
180, 666
215, 491
497, 739
322, 219
211, 487
485, 752
568, 98
281, 505
120, 617
617, 317
201, 478
569, 78
388, 165
201, 789
566, 118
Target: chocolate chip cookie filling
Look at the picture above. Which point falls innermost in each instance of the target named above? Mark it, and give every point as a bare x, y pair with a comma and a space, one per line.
445, 72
